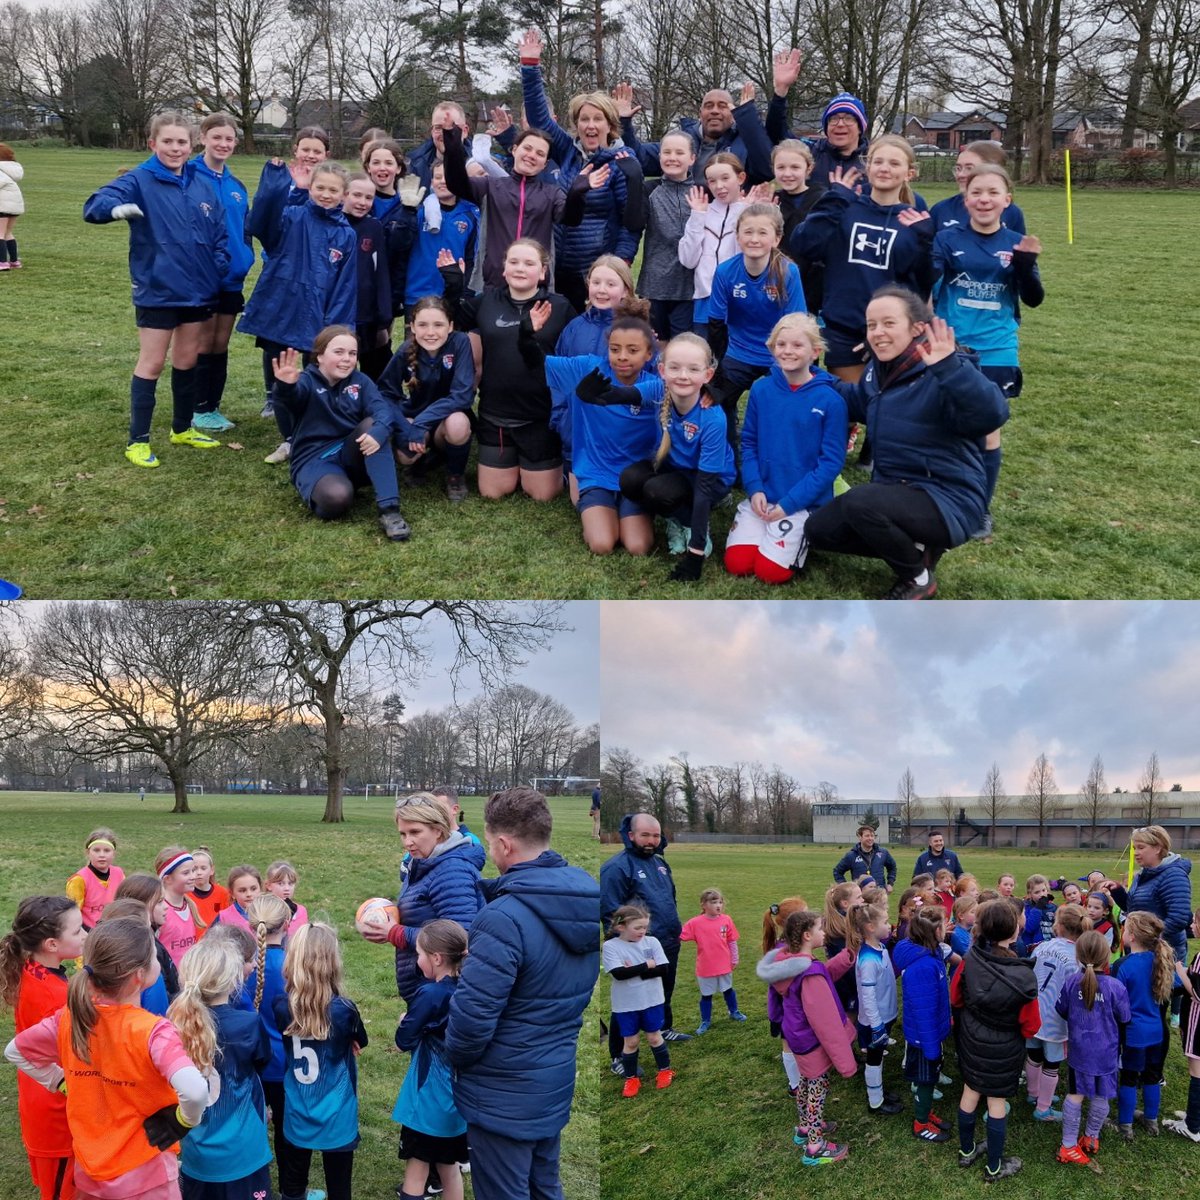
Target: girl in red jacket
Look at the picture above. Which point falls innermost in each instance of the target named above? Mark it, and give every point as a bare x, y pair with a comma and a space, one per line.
815, 1029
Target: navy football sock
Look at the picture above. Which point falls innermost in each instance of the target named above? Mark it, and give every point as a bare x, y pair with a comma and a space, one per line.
966, 1131
183, 398
991, 471
203, 371
630, 1063
456, 458
1193, 1104
997, 1130
662, 1056
141, 408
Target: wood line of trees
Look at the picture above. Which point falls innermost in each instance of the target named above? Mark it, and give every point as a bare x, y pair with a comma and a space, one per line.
108, 64
230, 695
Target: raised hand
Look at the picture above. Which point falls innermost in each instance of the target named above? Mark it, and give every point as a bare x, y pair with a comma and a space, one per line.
623, 95
287, 366
501, 120
785, 70
911, 216
762, 193
530, 45
1028, 245
301, 174
539, 314
446, 259
939, 341
697, 199
747, 93
845, 177
597, 177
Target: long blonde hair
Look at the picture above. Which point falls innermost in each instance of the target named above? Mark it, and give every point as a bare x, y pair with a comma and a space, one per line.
209, 973
266, 915
897, 143
312, 972
113, 953
630, 304
664, 410
777, 263
1147, 930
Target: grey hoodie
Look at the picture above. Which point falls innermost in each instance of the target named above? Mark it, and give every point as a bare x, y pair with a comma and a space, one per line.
663, 276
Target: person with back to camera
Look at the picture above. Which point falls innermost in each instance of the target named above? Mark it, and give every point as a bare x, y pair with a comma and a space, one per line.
516, 1014
865, 857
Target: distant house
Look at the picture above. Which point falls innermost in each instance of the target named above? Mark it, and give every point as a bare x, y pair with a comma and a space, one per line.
949, 130
1189, 115
317, 112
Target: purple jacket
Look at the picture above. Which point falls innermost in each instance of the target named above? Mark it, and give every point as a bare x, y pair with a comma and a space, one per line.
1094, 1036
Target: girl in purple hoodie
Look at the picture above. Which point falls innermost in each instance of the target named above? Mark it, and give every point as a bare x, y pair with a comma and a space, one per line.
815, 1029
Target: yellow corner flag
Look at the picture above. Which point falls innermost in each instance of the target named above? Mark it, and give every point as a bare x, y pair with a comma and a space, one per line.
1070, 216
1129, 875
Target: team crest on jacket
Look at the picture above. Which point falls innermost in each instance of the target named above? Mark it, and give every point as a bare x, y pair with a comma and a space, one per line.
236, 197
351, 391
1005, 257
690, 429
335, 255
448, 361
206, 208
461, 225
366, 245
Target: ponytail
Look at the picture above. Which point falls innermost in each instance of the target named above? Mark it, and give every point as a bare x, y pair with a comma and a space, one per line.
38, 918
1147, 931
113, 953
267, 915
209, 973
1091, 952
775, 918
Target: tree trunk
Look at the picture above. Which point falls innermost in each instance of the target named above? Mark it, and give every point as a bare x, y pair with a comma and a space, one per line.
1170, 150
181, 795
1137, 73
333, 768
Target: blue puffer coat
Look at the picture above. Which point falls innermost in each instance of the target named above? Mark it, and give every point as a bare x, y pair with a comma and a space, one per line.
1165, 891
516, 1015
926, 1007
310, 279
584, 334
179, 247
613, 216
444, 885
236, 201
927, 429
639, 876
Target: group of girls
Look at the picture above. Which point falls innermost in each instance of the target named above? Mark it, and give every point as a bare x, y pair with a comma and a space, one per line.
119, 1068
345, 255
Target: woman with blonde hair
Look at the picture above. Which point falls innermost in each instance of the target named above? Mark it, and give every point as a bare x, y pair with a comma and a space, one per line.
614, 214
440, 882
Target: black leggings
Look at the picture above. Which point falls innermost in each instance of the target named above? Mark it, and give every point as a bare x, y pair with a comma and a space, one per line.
339, 1169
881, 520
671, 493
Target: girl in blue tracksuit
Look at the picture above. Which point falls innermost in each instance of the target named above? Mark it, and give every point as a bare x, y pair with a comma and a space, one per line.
431, 380
793, 447
310, 280
396, 198
444, 222
342, 427
611, 436
218, 136
613, 215
927, 410
373, 302
693, 468
178, 258
983, 272
750, 292
610, 293
866, 241
431, 1128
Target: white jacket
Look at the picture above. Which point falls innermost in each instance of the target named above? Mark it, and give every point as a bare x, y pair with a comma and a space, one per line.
709, 238
12, 203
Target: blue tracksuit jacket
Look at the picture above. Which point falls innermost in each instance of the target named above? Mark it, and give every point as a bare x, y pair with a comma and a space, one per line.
236, 201
373, 296
445, 382
179, 248
746, 138
643, 877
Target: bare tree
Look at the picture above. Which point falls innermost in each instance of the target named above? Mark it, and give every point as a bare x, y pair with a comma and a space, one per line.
1041, 791
317, 644
660, 793
388, 47
689, 787
621, 787
170, 680
136, 37
946, 808
910, 806
49, 50
20, 689
994, 799
1152, 787
1094, 802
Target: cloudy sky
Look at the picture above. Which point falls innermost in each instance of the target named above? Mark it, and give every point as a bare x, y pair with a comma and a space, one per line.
855, 692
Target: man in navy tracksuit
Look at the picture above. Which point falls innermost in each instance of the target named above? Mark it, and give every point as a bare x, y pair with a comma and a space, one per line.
937, 858
866, 858
640, 875
518, 1008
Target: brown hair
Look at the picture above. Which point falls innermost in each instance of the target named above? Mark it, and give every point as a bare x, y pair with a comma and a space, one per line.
990, 169
906, 898
6, 152
776, 917
410, 357
1147, 930
1091, 952
906, 193
112, 954
664, 411
1071, 920
38, 919
146, 889
926, 927
963, 905
282, 871
447, 938
628, 322
237, 872
627, 913
218, 120
987, 894
320, 345
631, 304
243, 939
915, 308
369, 138
995, 922
315, 132
168, 117
777, 262
862, 916
103, 833
797, 147
392, 147
520, 812
266, 915
796, 928
723, 157
330, 168
127, 907
837, 924
710, 894
987, 152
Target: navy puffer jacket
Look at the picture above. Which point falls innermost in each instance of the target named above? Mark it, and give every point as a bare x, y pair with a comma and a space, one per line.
518, 1008
442, 886
1165, 891
927, 429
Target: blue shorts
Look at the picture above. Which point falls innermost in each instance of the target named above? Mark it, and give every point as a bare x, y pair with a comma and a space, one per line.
649, 1020
919, 1069
1007, 379
170, 317
598, 497
839, 347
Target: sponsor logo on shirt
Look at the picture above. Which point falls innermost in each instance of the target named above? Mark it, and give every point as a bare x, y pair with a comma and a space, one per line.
871, 245
739, 291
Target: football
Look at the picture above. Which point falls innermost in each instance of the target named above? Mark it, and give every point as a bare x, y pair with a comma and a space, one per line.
375, 914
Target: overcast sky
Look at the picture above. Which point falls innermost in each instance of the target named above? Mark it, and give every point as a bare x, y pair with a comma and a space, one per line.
855, 692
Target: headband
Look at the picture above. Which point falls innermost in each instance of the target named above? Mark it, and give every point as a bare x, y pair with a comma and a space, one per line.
100, 841
174, 864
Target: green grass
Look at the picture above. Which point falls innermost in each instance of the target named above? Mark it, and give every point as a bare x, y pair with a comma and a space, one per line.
339, 867
1095, 500
724, 1129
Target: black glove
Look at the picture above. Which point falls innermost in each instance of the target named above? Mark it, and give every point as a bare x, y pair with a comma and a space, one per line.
1042, 902
688, 568
597, 388
164, 1128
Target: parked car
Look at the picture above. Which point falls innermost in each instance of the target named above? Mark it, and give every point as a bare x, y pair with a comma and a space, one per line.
929, 150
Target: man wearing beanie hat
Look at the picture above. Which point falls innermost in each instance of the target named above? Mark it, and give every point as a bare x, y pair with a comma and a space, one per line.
843, 122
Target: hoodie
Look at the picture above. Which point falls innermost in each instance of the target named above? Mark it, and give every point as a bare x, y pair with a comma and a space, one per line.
516, 1014
641, 876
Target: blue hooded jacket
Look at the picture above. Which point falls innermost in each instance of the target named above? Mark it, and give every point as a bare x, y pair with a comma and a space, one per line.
231, 191
745, 138
516, 1014
584, 334
1166, 891
310, 279
927, 429
613, 216
638, 876
444, 384
825, 156
445, 886
179, 247
926, 1007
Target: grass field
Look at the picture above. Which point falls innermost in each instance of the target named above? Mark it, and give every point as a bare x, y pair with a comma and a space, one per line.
339, 866
724, 1129
1095, 500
